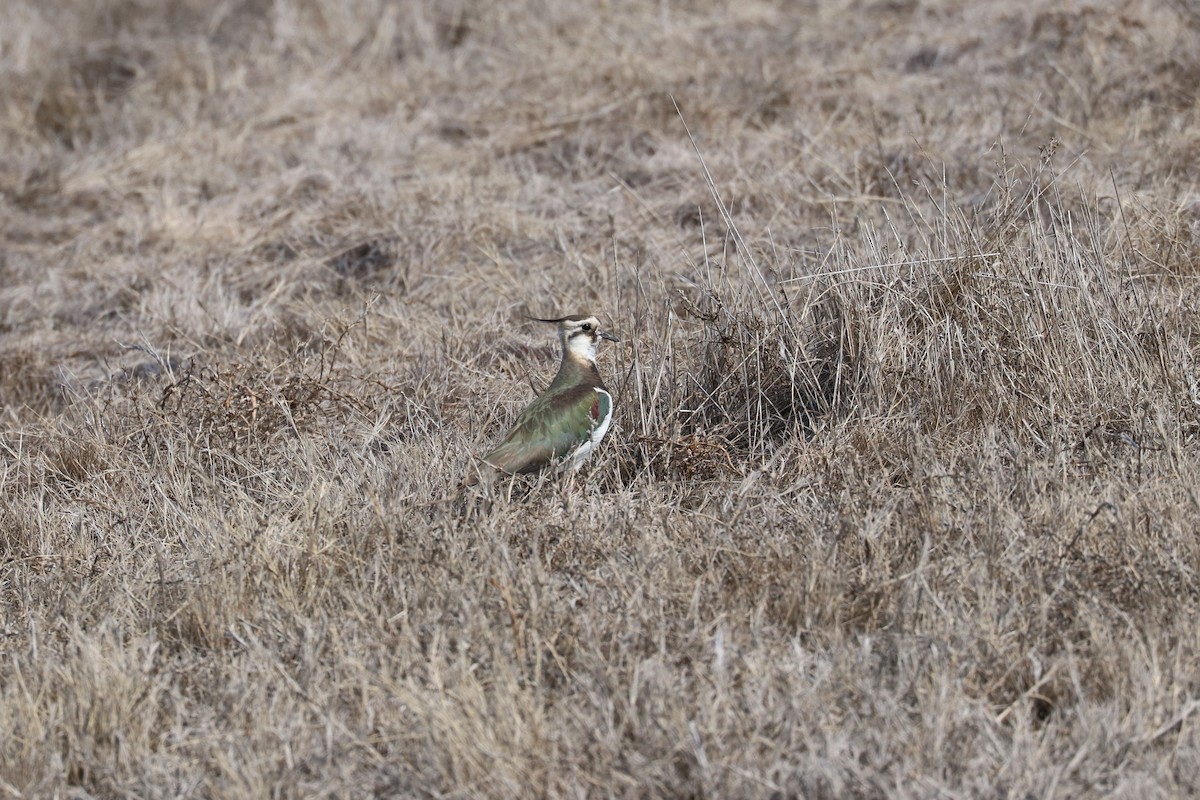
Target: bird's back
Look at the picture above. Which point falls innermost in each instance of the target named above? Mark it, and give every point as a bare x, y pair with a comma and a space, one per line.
555, 424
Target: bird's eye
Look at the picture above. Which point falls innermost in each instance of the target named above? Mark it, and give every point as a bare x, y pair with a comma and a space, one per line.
587, 326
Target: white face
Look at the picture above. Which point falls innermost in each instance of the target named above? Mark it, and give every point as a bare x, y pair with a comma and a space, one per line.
581, 337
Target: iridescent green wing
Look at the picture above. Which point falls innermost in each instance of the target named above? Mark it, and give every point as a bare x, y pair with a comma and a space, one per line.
550, 428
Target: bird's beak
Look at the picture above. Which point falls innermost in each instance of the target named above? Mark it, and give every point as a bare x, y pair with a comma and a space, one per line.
607, 335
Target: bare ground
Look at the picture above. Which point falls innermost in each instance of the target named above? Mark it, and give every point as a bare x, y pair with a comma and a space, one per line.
901, 496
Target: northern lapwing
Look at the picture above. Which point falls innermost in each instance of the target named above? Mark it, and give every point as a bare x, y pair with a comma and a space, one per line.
564, 424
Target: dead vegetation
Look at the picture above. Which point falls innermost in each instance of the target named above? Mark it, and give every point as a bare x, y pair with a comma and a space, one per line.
900, 499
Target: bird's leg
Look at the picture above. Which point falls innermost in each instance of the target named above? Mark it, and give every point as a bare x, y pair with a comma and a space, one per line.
567, 488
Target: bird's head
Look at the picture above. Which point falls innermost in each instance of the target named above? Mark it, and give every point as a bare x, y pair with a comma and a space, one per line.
580, 334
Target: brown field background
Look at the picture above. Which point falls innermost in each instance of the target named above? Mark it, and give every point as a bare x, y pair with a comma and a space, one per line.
901, 494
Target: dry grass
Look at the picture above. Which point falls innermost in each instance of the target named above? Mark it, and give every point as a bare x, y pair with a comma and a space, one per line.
900, 500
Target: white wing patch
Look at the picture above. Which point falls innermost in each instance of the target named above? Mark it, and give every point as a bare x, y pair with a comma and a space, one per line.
585, 449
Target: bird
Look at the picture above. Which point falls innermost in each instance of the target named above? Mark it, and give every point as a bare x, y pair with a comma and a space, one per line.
562, 426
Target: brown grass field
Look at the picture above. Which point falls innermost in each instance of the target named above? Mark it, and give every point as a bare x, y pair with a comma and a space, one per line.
901, 498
